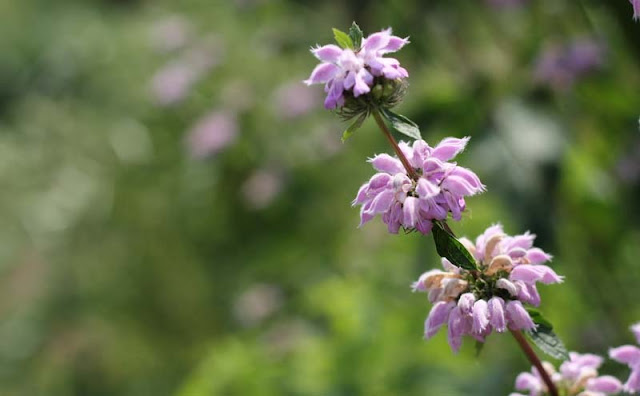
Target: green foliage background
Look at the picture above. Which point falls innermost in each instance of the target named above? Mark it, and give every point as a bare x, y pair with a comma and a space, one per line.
127, 267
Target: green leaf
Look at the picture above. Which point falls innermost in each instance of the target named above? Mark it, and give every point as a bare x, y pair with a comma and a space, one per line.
449, 247
402, 124
354, 126
342, 38
544, 337
355, 33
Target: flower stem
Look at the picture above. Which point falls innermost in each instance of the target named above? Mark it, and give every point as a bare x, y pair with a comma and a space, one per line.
383, 127
533, 358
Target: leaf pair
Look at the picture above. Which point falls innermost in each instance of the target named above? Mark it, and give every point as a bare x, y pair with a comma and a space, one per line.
399, 122
353, 40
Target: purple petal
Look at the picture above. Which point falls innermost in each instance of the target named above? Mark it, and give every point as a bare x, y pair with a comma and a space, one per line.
537, 256
486, 236
588, 360
528, 381
534, 273
394, 44
449, 148
469, 176
524, 241
458, 186
410, 212
365, 214
392, 218
627, 354
549, 275
633, 383
327, 53
382, 202
496, 314
361, 86
386, 163
605, 383
529, 294
453, 205
377, 41
361, 197
518, 317
427, 189
349, 81
424, 226
507, 285
636, 9
465, 303
322, 73
438, 316
433, 210
480, 316
379, 180
421, 152
454, 329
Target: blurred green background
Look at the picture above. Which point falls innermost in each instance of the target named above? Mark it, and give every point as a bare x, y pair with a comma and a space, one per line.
176, 219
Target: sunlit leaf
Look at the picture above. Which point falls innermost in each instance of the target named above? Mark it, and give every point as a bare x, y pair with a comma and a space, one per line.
342, 38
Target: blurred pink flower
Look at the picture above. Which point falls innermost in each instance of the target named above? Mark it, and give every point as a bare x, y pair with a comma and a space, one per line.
257, 303
577, 376
212, 133
561, 65
262, 187
293, 100
170, 34
629, 355
172, 83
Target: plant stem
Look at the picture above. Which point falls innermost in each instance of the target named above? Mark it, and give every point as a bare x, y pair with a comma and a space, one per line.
410, 171
533, 358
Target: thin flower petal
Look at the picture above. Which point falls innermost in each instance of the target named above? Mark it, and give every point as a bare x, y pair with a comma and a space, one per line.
327, 53
449, 148
322, 73
386, 163
438, 316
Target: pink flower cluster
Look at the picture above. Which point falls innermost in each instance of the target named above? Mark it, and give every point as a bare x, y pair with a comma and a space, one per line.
414, 204
577, 376
491, 299
347, 70
630, 355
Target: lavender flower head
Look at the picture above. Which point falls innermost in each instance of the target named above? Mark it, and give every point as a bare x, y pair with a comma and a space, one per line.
348, 72
492, 298
415, 204
577, 376
630, 355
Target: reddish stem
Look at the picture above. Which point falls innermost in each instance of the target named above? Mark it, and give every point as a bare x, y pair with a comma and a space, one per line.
533, 358
410, 171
